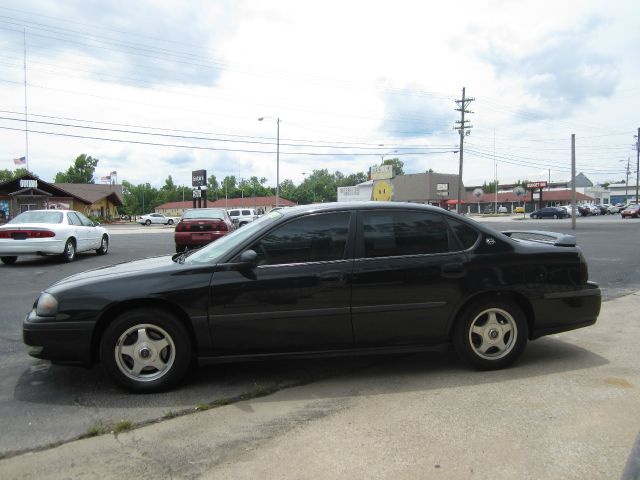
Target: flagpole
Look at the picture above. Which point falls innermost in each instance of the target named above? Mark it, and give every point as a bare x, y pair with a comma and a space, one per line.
26, 121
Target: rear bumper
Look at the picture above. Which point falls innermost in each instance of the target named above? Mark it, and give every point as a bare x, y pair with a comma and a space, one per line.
563, 311
60, 342
193, 239
31, 247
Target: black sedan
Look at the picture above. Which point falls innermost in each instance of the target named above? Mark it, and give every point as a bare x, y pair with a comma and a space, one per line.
549, 212
323, 279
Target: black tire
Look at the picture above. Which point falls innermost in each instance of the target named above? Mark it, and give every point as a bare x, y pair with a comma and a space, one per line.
69, 253
146, 350
104, 245
534, 216
490, 334
170, 222
147, 222
9, 260
180, 248
555, 217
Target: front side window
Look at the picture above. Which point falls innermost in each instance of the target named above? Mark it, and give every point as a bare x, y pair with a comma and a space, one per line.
314, 238
391, 233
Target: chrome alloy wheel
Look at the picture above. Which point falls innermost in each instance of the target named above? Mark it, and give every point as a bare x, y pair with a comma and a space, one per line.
145, 352
493, 334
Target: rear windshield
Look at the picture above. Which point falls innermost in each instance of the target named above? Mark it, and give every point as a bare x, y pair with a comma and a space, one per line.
50, 216
203, 213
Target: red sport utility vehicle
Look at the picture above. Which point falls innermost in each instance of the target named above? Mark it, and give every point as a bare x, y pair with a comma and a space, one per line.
199, 226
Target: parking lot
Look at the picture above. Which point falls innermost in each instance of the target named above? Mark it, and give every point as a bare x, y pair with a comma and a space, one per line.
43, 404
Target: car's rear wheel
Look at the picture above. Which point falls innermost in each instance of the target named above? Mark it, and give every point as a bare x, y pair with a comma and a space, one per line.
69, 253
555, 217
146, 350
104, 245
170, 222
491, 334
8, 260
147, 222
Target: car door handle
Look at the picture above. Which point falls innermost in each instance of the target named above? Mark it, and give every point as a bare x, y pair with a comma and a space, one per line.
453, 270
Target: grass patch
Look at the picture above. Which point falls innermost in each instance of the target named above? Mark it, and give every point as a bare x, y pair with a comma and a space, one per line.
202, 406
121, 426
97, 429
169, 414
259, 390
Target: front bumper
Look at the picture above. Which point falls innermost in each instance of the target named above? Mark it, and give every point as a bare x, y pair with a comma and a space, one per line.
58, 341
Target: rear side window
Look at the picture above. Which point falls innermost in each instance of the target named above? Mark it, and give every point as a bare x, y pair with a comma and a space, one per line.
391, 233
314, 238
467, 236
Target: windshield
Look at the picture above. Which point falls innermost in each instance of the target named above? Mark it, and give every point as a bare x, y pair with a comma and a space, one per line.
203, 213
217, 250
36, 216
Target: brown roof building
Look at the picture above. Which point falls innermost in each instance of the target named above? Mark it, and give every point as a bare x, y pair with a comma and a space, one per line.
175, 209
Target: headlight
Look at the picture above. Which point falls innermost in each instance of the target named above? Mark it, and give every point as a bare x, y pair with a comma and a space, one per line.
47, 305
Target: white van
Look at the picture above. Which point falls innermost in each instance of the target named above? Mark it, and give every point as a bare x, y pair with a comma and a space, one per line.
242, 216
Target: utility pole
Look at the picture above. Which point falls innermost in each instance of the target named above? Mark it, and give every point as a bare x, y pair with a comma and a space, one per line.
637, 164
574, 210
463, 129
626, 185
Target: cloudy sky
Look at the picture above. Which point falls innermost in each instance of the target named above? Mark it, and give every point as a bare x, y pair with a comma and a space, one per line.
158, 88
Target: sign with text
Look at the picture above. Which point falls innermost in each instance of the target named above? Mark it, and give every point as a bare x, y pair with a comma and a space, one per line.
532, 185
198, 178
381, 172
28, 184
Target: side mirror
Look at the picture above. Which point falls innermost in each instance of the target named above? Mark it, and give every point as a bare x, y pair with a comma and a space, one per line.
249, 258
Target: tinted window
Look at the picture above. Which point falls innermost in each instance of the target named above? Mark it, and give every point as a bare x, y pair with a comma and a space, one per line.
467, 235
313, 238
390, 233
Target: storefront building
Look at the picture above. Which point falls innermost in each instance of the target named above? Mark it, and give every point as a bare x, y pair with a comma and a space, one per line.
28, 192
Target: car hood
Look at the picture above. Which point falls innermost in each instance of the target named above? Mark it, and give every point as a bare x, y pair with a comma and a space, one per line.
125, 269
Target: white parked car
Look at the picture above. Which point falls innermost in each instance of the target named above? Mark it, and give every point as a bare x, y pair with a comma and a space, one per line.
242, 216
502, 209
58, 232
159, 218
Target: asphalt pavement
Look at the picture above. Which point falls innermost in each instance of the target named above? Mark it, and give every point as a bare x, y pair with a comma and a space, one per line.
569, 409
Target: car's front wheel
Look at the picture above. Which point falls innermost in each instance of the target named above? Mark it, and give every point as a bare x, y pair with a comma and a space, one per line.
146, 350
104, 246
491, 334
69, 253
8, 260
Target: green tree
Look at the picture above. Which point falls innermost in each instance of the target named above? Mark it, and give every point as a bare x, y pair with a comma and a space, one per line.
7, 175
81, 171
490, 187
397, 164
288, 190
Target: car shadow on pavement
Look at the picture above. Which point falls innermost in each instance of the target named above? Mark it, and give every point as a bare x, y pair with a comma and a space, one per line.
50, 384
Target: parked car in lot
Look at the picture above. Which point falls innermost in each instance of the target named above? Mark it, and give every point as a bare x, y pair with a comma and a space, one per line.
502, 209
329, 279
549, 212
199, 226
56, 232
632, 211
241, 216
518, 210
585, 210
155, 218
617, 208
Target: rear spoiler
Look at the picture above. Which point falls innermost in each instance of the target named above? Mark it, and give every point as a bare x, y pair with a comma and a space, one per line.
557, 239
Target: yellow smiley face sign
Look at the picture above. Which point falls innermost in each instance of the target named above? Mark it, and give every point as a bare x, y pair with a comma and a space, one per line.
382, 191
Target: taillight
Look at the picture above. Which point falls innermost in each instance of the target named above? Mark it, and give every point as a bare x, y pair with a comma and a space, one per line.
584, 271
23, 234
180, 227
222, 227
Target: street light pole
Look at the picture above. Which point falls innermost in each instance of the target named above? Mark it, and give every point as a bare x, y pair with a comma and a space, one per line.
277, 157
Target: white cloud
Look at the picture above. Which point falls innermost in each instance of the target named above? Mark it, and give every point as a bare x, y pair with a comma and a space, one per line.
337, 74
